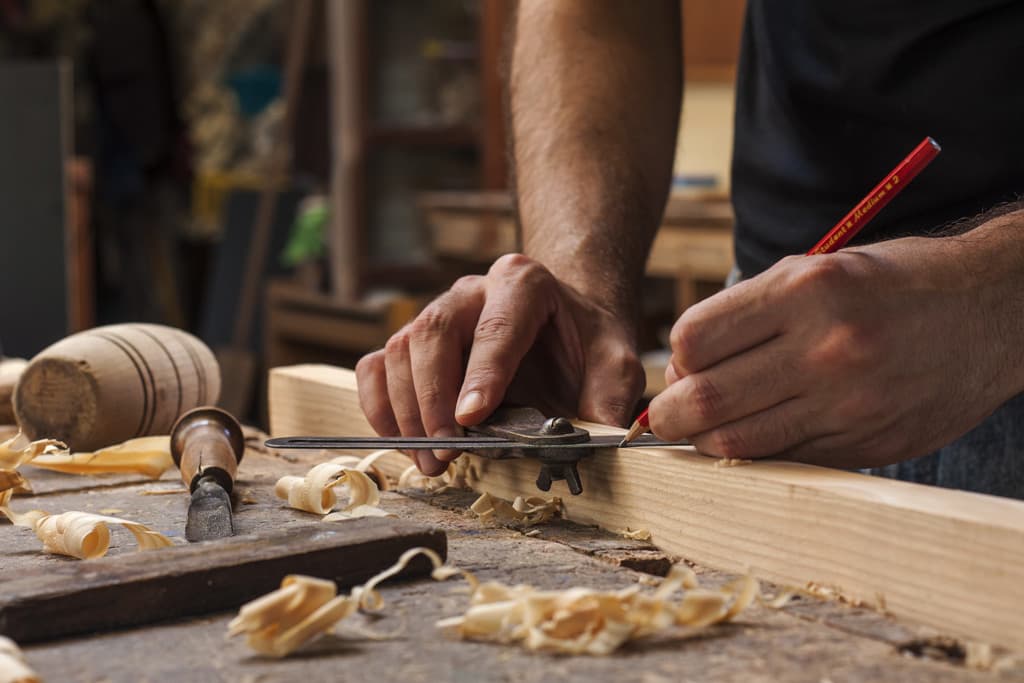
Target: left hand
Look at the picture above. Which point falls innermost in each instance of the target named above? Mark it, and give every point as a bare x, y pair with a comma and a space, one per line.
860, 358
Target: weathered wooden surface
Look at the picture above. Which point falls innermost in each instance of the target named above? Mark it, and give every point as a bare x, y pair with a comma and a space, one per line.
809, 641
949, 559
195, 579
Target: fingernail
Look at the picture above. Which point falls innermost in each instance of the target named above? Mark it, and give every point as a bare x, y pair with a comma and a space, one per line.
470, 403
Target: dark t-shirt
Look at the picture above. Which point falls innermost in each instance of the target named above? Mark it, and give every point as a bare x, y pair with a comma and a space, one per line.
833, 93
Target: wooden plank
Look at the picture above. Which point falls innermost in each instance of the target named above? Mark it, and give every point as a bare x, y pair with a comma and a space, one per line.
200, 578
947, 559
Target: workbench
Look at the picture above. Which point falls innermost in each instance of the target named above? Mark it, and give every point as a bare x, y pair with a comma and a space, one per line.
810, 640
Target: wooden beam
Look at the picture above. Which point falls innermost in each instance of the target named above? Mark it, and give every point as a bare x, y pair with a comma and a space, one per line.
947, 559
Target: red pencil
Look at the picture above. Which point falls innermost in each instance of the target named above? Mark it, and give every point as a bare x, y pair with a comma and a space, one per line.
847, 227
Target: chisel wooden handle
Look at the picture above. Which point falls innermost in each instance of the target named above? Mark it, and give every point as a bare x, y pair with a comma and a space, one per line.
207, 442
109, 384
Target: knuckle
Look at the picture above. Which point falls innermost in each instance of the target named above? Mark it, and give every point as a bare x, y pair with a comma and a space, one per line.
847, 345
398, 343
380, 418
819, 273
485, 374
494, 329
433, 321
429, 395
522, 271
684, 338
706, 400
370, 364
467, 283
510, 263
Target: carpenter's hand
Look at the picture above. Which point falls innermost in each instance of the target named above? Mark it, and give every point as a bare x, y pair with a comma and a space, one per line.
860, 358
517, 331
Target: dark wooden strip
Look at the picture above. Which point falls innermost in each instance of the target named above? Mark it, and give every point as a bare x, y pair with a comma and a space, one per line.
200, 578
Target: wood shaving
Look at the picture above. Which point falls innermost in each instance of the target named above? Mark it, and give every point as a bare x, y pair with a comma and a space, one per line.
365, 464
149, 456
412, 478
18, 450
358, 511
13, 481
571, 621
304, 608
732, 462
13, 667
523, 511
636, 534
315, 492
79, 534
587, 621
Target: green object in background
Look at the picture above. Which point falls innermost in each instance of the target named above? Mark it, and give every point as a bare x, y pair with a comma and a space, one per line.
306, 242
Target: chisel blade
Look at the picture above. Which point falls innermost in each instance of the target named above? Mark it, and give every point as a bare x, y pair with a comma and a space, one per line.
209, 512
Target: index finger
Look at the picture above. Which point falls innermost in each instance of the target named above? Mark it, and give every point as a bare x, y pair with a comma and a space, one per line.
736, 319
520, 300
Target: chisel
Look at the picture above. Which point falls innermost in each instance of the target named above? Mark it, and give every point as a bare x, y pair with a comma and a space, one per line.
207, 444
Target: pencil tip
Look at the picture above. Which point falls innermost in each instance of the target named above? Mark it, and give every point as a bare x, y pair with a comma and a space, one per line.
636, 430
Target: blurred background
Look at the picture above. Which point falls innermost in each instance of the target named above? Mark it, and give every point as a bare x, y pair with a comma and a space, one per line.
292, 180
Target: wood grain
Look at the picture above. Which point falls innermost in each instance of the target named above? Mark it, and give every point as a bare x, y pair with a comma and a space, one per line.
947, 559
200, 578
113, 383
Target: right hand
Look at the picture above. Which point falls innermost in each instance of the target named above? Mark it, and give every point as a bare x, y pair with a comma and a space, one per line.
516, 333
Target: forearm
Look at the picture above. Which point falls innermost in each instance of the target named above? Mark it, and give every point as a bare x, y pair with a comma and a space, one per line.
991, 256
595, 96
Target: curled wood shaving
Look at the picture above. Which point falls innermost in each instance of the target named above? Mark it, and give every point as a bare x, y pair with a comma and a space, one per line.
305, 607
412, 478
149, 456
13, 667
525, 511
12, 480
366, 465
587, 621
315, 492
79, 534
18, 450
